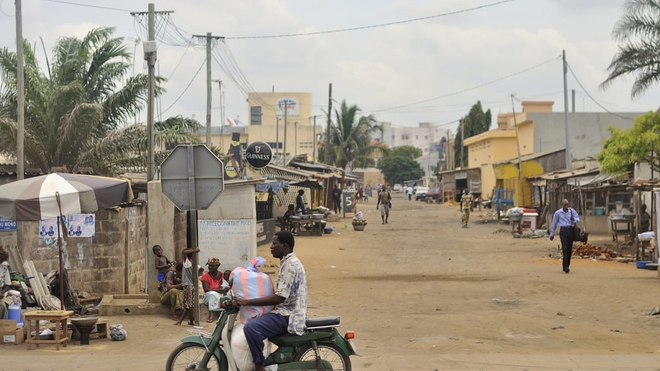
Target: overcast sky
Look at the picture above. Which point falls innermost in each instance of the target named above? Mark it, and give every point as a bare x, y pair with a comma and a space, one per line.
457, 59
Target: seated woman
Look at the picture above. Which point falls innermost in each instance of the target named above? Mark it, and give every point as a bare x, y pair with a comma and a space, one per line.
212, 282
287, 225
170, 290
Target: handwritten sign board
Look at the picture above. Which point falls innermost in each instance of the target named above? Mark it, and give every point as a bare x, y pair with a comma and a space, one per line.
7, 224
232, 241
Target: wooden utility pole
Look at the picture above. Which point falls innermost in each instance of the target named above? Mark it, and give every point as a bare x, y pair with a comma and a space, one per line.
20, 82
286, 111
569, 157
314, 142
520, 172
462, 140
209, 91
327, 133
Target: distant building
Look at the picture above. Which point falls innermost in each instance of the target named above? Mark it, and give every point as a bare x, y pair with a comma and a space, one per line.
426, 136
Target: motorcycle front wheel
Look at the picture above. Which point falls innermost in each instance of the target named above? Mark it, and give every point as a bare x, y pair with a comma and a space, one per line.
187, 357
328, 352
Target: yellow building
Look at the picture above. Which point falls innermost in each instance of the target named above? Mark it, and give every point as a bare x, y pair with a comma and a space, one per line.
502, 143
266, 123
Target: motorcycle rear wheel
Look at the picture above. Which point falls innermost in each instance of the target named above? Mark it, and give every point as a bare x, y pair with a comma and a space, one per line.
328, 352
187, 356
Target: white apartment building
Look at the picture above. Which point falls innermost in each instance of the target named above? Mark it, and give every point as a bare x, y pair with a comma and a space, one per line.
426, 136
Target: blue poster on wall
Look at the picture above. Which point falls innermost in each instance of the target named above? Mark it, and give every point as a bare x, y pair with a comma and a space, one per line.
7, 224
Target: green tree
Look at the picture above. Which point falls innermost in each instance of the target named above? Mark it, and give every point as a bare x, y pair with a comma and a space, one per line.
476, 122
638, 54
76, 111
624, 148
350, 143
397, 169
407, 151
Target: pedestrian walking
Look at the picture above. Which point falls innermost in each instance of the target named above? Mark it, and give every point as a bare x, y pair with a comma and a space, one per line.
384, 199
466, 207
410, 192
565, 218
336, 198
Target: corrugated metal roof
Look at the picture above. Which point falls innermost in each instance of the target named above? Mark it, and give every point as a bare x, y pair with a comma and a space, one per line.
531, 156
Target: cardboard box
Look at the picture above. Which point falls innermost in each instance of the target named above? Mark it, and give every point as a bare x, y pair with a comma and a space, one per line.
9, 334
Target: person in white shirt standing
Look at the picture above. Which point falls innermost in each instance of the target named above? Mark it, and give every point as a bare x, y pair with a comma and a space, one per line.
565, 218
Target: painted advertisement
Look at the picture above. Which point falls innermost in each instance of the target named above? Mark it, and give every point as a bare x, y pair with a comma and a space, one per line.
292, 107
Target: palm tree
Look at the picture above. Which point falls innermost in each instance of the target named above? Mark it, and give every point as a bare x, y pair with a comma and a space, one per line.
76, 112
349, 138
638, 32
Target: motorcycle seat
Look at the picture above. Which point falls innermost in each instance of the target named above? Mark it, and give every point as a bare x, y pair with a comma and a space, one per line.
322, 322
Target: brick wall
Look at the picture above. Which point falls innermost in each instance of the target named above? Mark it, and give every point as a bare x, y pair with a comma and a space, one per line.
111, 262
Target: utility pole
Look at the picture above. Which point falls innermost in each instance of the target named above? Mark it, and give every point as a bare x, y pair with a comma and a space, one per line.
327, 133
569, 159
209, 93
520, 172
277, 137
314, 141
462, 140
149, 47
20, 82
222, 119
573, 100
286, 111
295, 138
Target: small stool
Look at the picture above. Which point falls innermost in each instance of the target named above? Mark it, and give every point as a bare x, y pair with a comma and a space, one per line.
60, 317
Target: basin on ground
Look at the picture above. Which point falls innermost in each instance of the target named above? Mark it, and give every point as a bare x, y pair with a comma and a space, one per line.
118, 304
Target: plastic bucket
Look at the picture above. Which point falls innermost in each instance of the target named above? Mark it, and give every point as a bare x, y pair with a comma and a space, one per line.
600, 211
15, 313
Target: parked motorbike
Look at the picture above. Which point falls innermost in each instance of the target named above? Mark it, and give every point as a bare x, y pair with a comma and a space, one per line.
321, 347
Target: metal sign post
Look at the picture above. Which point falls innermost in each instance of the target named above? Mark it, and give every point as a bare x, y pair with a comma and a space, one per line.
192, 177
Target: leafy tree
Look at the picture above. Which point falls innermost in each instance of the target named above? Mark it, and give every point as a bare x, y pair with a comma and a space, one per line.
349, 138
640, 143
76, 111
397, 169
638, 54
476, 122
407, 151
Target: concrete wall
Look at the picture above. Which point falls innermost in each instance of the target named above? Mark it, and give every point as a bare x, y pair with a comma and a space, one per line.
110, 262
588, 130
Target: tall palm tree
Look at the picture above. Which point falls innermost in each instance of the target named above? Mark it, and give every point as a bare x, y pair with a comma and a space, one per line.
349, 137
638, 32
76, 111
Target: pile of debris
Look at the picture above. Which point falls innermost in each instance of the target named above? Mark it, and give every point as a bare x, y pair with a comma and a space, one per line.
587, 250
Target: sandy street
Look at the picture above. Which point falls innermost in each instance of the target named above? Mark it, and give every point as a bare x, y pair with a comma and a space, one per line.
421, 293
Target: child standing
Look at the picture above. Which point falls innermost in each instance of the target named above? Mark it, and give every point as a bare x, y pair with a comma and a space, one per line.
163, 264
189, 290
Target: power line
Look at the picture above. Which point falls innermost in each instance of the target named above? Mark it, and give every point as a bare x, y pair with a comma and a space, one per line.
471, 88
375, 25
186, 89
88, 5
592, 98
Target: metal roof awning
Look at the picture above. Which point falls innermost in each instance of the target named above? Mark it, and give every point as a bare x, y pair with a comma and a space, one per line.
307, 184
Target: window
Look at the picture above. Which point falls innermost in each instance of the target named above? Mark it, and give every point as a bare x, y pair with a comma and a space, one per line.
255, 115
426, 137
426, 149
416, 137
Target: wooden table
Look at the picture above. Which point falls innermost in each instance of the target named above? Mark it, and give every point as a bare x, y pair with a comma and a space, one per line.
60, 317
316, 227
630, 228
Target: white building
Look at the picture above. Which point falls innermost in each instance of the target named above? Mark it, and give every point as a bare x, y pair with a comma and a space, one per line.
426, 136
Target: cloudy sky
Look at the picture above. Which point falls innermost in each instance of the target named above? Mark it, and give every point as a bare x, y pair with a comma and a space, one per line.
431, 70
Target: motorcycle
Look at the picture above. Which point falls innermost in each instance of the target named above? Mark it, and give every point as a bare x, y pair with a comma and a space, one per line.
321, 347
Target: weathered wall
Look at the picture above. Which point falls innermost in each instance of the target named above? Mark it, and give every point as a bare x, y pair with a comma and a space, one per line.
588, 130
111, 262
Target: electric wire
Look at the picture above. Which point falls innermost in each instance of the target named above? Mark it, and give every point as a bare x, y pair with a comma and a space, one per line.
88, 5
471, 88
372, 26
178, 64
592, 98
186, 89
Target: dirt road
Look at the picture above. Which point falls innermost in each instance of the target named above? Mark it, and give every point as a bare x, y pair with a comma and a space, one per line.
421, 290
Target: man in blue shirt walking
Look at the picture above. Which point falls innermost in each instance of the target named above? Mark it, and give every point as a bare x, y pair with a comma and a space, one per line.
565, 218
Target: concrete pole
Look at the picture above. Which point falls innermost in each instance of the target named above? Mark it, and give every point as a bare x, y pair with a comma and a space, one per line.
566, 124
327, 134
150, 100
277, 138
20, 82
286, 111
314, 141
573, 100
462, 140
295, 138
209, 91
